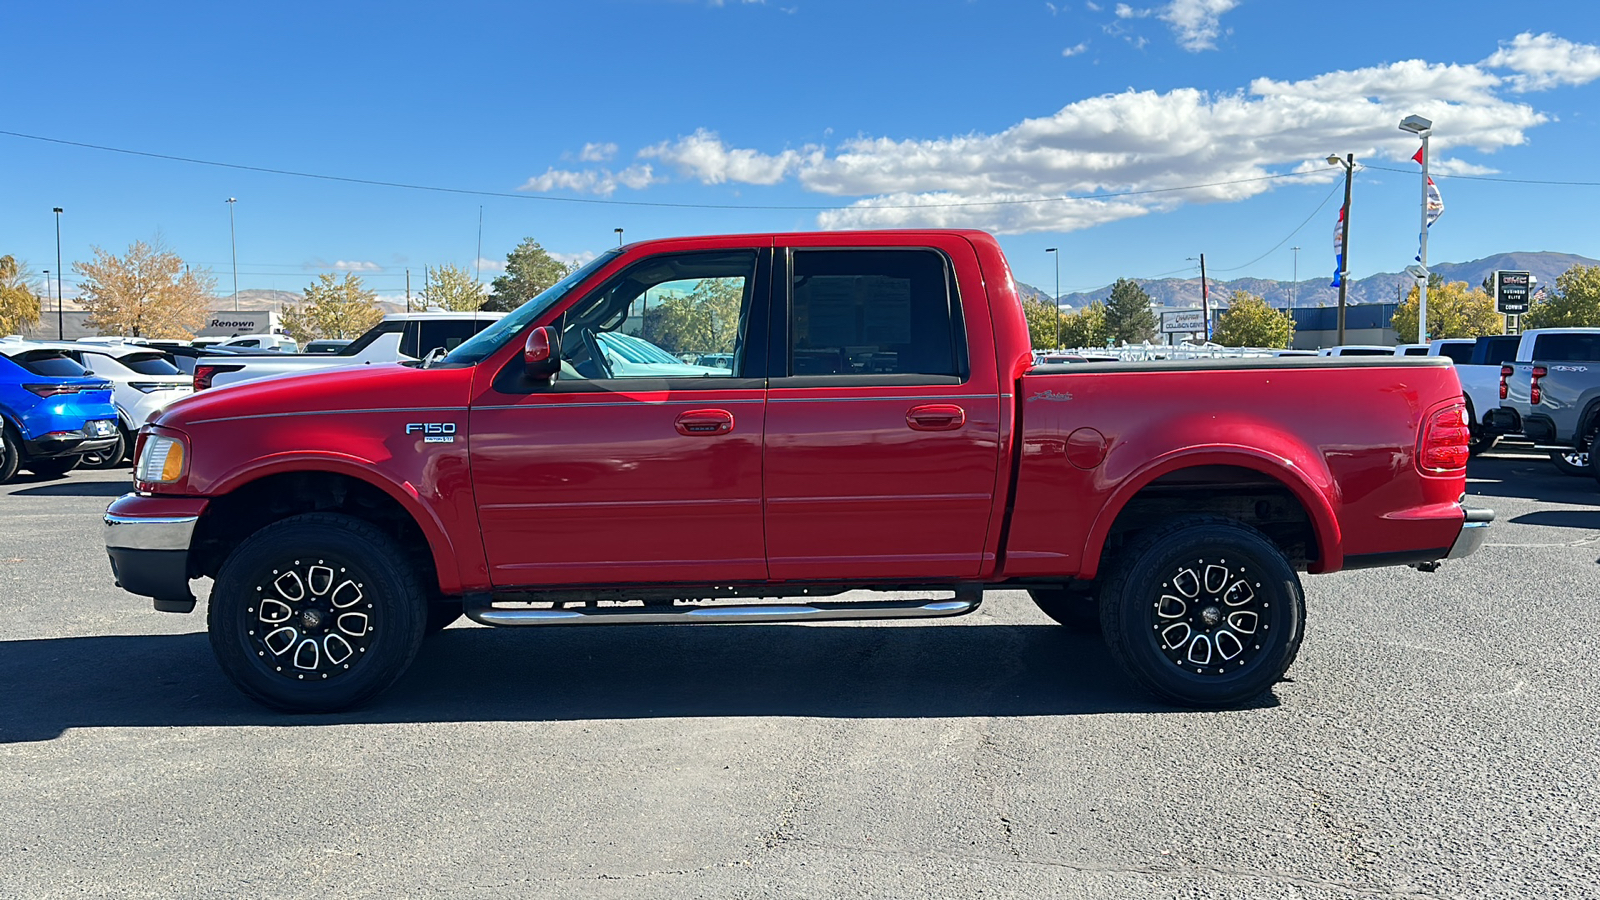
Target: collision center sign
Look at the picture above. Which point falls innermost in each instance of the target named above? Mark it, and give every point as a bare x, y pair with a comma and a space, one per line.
1183, 321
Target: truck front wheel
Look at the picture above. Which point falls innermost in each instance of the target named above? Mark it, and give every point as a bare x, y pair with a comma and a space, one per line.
1205, 612
316, 613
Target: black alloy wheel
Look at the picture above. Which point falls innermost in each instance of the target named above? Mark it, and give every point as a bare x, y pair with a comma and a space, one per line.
10, 454
1204, 612
316, 613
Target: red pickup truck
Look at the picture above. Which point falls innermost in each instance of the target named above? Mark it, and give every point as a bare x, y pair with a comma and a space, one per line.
882, 427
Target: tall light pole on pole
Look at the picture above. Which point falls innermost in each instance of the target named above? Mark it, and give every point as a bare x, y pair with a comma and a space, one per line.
1422, 128
61, 328
1349, 163
619, 236
1294, 286
234, 244
1056, 305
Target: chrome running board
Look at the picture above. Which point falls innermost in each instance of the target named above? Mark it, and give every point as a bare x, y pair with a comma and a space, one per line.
966, 601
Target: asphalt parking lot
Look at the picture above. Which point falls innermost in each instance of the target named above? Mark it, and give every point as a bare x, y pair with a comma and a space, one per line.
1438, 739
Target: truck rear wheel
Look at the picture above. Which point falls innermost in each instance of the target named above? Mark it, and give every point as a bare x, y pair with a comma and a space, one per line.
1077, 611
316, 613
1571, 462
1205, 612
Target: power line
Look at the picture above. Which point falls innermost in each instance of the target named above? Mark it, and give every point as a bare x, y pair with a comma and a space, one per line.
1488, 177
1336, 186
648, 203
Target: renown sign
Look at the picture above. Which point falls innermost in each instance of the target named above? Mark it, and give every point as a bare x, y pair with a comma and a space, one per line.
230, 323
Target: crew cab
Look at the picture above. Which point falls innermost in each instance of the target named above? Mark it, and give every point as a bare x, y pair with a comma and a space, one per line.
398, 336
882, 428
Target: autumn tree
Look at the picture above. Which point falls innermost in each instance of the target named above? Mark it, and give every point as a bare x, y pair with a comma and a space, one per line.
1250, 322
1128, 315
1575, 302
1044, 322
19, 297
450, 287
529, 270
333, 309
704, 320
147, 293
1454, 310
1086, 327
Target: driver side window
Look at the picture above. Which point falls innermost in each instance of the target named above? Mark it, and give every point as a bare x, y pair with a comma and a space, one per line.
676, 316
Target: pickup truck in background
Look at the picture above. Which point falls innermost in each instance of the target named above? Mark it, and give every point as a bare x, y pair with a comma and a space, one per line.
1550, 394
1477, 362
882, 428
400, 336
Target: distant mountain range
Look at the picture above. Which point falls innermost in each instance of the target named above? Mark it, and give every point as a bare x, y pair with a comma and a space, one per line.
1387, 287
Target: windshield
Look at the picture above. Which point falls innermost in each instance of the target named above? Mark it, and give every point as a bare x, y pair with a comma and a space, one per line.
487, 341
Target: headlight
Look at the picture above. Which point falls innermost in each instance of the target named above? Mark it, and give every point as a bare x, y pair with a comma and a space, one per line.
163, 460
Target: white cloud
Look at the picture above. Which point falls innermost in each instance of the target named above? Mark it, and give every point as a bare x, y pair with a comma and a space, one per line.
581, 258
702, 155
1075, 50
350, 265
1545, 61
489, 266
1124, 11
602, 182
1092, 6
597, 152
1196, 22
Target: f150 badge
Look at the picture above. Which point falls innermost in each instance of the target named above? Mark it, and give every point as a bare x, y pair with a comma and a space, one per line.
434, 432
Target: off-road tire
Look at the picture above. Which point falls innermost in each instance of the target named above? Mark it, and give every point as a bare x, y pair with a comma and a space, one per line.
1176, 603
353, 595
1077, 611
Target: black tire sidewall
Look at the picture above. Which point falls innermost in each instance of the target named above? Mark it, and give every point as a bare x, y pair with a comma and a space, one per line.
111, 459
389, 584
53, 466
10, 454
1127, 607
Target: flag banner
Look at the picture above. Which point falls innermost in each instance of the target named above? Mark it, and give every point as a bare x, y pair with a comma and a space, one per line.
1435, 203
1338, 249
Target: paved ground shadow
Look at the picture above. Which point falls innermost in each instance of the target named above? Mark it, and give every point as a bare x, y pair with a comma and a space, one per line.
610, 672
67, 488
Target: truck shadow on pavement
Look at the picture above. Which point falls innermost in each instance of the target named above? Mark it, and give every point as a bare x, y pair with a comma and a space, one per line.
1526, 478
471, 674
66, 488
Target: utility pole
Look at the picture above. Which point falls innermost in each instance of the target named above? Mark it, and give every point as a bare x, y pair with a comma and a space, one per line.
61, 328
1205, 299
232, 242
1349, 163
1055, 305
408, 290
1294, 286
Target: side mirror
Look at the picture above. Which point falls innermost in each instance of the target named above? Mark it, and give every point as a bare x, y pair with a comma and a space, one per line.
541, 354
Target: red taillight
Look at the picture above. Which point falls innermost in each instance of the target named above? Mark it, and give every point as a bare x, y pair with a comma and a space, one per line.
1445, 440
51, 390
1505, 372
1533, 391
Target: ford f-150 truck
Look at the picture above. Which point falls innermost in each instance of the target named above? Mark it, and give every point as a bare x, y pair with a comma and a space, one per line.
882, 428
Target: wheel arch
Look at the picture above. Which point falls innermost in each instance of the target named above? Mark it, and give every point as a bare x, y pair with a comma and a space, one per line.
1231, 481
249, 501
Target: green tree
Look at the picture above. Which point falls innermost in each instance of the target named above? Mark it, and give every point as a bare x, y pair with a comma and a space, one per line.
147, 293
1454, 310
1128, 315
1250, 322
333, 309
1086, 327
1575, 302
1044, 322
704, 320
529, 270
451, 287
19, 297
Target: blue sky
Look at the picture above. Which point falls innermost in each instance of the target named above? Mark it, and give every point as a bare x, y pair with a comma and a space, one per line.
797, 115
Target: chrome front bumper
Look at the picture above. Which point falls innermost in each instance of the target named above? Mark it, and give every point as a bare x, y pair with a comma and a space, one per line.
162, 533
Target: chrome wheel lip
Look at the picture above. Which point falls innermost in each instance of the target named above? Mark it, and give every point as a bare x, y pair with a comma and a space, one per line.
1211, 616
310, 619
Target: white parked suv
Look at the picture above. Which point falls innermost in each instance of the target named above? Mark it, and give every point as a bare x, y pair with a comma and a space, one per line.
143, 381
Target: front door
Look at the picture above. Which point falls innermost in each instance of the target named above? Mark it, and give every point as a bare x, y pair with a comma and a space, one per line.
635, 465
882, 440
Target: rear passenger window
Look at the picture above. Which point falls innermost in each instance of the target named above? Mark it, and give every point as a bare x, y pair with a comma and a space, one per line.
1460, 353
875, 312
1566, 347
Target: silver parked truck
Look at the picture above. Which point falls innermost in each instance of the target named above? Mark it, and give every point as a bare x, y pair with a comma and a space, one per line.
1550, 394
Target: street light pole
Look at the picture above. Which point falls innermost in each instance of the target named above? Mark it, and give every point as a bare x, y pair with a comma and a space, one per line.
619, 236
1422, 128
61, 328
1294, 286
1349, 163
234, 244
1056, 305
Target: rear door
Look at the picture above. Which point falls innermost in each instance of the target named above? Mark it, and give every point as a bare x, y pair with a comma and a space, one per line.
882, 426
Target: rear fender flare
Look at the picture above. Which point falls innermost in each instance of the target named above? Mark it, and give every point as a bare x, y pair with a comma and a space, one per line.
1312, 488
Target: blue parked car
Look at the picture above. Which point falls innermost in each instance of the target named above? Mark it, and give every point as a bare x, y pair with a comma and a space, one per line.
54, 411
